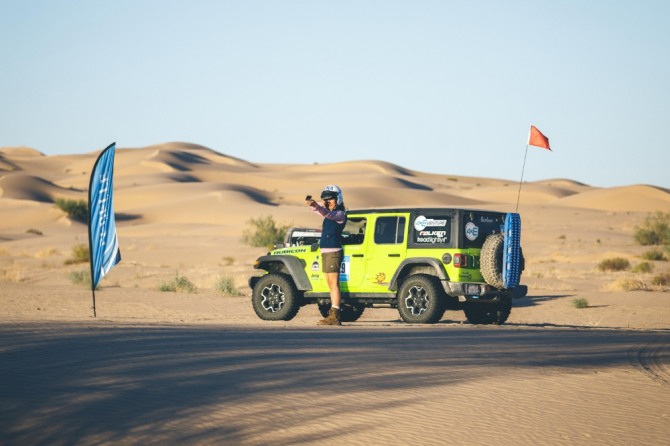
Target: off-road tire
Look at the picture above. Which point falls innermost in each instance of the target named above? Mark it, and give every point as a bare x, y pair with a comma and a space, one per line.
421, 300
275, 298
348, 312
483, 313
491, 260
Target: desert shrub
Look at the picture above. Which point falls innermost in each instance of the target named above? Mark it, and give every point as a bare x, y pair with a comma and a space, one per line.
226, 285
80, 254
614, 264
179, 284
654, 230
580, 302
661, 280
654, 254
80, 277
14, 273
644, 267
34, 231
263, 231
75, 209
228, 260
629, 284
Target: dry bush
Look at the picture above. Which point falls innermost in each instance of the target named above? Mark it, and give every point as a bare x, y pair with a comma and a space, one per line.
14, 274
75, 209
614, 264
49, 252
654, 230
580, 302
631, 284
264, 232
654, 254
179, 284
644, 267
225, 285
662, 280
80, 254
80, 277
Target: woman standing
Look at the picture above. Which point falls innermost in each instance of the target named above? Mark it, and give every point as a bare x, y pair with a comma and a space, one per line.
334, 219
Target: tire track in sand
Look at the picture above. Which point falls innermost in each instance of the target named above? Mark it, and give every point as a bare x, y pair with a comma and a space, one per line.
651, 359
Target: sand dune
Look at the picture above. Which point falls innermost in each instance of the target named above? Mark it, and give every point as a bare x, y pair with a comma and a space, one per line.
637, 198
28, 187
169, 173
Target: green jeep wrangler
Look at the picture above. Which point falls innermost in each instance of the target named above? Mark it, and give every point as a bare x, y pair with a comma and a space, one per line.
420, 261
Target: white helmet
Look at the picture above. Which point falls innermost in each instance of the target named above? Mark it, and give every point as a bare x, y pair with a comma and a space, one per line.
332, 191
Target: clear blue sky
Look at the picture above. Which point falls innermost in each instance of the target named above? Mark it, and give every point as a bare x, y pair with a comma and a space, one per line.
438, 86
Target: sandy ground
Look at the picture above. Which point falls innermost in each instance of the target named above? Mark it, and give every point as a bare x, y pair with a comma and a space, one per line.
200, 368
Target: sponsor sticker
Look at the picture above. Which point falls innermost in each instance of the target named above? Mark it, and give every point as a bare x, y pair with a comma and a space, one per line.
471, 231
315, 265
421, 223
345, 268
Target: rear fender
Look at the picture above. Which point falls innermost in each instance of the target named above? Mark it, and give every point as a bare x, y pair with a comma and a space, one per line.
426, 265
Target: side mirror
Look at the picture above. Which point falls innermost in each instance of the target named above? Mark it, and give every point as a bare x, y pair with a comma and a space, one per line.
314, 246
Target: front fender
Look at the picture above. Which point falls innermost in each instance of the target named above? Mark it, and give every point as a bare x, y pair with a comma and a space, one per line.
289, 265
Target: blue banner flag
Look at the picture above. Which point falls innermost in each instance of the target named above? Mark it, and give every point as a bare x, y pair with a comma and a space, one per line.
102, 239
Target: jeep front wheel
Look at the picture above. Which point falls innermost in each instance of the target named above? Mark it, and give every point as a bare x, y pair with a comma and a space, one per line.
421, 300
275, 298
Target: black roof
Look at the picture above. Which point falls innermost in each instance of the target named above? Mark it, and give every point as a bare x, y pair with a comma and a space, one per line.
417, 209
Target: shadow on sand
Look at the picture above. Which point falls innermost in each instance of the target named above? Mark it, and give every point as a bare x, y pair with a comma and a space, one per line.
73, 384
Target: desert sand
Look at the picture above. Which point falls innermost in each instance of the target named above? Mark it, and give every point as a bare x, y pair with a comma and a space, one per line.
200, 368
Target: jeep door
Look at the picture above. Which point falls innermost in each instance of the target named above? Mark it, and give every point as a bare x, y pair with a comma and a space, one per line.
386, 249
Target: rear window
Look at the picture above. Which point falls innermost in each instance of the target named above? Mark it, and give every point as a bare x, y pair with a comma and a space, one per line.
477, 226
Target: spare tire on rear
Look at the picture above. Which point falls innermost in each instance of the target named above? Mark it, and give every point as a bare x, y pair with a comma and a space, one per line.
491, 260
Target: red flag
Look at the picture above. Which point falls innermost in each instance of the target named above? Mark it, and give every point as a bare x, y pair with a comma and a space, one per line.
537, 139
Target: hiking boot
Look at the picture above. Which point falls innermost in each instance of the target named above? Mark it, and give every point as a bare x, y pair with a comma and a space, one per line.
333, 318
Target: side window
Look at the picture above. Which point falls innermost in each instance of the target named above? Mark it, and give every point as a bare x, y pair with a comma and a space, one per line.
354, 231
390, 230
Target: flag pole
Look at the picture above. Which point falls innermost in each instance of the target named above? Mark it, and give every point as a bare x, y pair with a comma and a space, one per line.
521, 180
90, 239
93, 292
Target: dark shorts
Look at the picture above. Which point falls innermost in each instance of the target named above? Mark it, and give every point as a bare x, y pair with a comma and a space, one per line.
331, 261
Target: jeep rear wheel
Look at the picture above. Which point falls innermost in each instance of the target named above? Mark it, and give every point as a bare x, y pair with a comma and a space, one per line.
348, 312
483, 313
421, 300
275, 298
